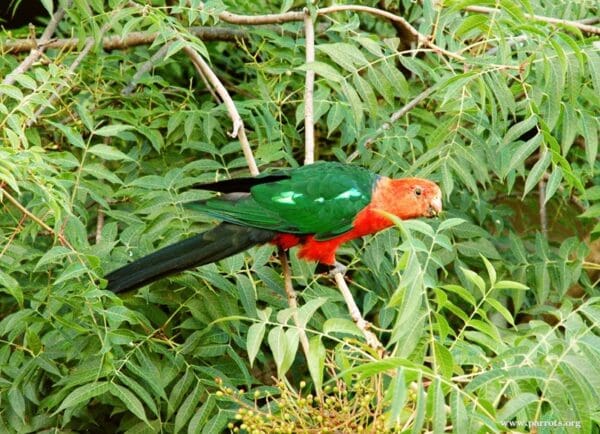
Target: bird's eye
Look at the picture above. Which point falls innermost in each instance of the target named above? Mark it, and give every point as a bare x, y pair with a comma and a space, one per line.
418, 191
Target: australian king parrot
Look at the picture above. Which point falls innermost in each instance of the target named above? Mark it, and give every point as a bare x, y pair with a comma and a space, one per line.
317, 207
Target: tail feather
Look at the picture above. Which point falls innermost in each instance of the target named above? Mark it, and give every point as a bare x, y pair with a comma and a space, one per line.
224, 240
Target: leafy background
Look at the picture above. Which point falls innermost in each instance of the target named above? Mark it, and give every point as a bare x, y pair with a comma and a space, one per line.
489, 315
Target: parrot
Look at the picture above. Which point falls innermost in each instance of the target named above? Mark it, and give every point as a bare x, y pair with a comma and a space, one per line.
317, 207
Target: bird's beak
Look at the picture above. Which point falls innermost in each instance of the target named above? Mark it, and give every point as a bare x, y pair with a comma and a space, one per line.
435, 206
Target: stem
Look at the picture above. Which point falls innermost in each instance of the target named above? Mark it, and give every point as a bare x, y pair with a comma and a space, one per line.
309, 128
360, 322
132, 39
292, 300
37, 50
27, 213
585, 28
238, 125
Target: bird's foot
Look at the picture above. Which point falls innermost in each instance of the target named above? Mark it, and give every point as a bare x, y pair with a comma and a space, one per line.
338, 267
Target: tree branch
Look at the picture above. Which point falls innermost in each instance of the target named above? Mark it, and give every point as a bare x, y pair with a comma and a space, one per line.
133, 39
292, 300
37, 50
238, 124
360, 322
542, 204
585, 28
33, 217
393, 118
299, 16
55, 95
309, 128
146, 67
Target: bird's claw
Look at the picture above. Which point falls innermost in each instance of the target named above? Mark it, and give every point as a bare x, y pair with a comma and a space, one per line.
338, 267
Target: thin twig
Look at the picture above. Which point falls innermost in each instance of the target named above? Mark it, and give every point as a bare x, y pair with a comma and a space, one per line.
13, 235
99, 225
132, 39
542, 202
585, 28
207, 84
299, 16
33, 217
37, 50
146, 67
238, 124
56, 94
360, 322
309, 128
592, 20
292, 300
393, 118
410, 105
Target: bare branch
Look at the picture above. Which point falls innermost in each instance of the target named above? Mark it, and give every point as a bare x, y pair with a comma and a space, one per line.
585, 28
309, 128
394, 118
99, 225
299, 16
36, 51
542, 203
292, 300
238, 124
146, 67
33, 217
360, 322
133, 39
410, 105
55, 95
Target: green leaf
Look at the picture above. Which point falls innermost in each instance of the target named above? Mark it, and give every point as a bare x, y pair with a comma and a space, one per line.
340, 325
553, 183
107, 152
12, 91
475, 279
17, 402
73, 271
443, 360
345, 55
306, 311
516, 404
590, 135
490, 269
520, 128
256, 333
199, 419
74, 137
324, 70
537, 172
509, 284
458, 412
398, 399
438, 407
501, 310
316, 361
278, 344
355, 103
184, 413
112, 130
132, 403
83, 394
450, 223
522, 152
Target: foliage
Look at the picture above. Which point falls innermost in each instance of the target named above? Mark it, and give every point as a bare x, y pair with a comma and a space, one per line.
488, 320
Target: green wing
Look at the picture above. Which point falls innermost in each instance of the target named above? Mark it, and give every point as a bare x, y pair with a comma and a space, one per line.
321, 199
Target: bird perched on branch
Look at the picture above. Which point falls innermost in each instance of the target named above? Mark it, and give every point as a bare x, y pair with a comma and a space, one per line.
317, 207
